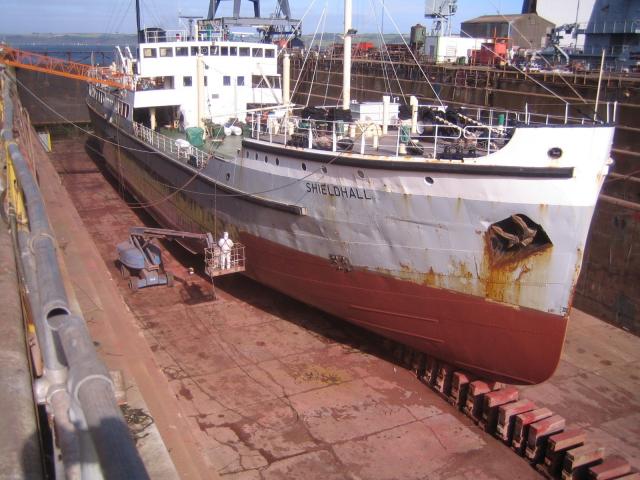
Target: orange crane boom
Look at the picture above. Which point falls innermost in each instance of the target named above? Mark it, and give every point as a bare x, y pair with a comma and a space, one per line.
64, 68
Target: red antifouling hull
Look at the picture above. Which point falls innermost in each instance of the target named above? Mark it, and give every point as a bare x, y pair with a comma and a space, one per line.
494, 340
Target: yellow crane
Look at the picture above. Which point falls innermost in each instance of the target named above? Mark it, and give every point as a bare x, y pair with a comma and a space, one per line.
64, 68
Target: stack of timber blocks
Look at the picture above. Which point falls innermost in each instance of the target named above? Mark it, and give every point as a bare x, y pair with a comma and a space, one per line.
531, 431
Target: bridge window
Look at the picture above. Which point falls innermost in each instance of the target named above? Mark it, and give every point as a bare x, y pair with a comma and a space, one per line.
258, 81
224, 51
194, 51
204, 50
149, 53
215, 50
233, 51
206, 80
187, 81
269, 52
226, 81
257, 52
182, 51
166, 52
240, 81
244, 51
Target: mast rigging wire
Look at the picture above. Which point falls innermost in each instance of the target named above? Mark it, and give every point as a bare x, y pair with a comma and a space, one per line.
384, 7
244, 194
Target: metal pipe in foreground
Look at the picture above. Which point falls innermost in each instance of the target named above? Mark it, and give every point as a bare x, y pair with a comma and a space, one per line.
68, 341
53, 297
91, 386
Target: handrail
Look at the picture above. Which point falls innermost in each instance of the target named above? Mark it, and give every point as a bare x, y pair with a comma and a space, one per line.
189, 154
74, 379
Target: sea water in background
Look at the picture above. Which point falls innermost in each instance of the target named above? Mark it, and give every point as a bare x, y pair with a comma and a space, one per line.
102, 54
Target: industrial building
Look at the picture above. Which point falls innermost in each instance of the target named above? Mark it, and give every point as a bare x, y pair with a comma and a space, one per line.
586, 27
528, 30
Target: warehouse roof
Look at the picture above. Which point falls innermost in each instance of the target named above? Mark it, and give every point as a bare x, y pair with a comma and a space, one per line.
495, 18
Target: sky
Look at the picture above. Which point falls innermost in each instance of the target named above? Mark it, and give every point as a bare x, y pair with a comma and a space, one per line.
118, 16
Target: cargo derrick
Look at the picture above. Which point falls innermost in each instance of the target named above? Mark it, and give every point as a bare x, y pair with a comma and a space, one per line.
64, 68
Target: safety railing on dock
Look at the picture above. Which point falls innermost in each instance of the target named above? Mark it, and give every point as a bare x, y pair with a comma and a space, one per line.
90, 436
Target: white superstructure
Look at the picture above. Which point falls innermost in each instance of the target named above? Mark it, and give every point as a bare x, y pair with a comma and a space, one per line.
183, 81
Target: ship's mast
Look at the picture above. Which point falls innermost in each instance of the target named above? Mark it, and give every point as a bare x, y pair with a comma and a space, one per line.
138, 18
346, 72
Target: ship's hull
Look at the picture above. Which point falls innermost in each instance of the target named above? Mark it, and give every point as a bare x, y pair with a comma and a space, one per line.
482, 333
490, 339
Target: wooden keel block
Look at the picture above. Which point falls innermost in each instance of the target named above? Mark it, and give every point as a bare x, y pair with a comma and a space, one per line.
521, 427
557, 445
419, 365
475, 397
507, 416
443, 381
431, 373
459, 388
577, 461
492, 401
538, 435
612, 467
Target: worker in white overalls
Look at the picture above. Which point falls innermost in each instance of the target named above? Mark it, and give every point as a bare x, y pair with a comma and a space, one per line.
225, 244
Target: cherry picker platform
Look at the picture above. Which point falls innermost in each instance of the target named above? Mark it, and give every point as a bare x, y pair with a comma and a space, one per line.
140, 257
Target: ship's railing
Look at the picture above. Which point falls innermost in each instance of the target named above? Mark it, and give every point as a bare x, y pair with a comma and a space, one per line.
89, 436
562, 114
431, 131
436, 139
179, 35
177, 148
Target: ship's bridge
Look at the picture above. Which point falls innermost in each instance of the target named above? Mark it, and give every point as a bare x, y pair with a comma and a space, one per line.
230, 74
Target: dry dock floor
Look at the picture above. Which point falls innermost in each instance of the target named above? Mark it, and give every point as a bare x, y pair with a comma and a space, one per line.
255, 385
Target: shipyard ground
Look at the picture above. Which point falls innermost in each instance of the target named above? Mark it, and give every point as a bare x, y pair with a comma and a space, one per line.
256, 385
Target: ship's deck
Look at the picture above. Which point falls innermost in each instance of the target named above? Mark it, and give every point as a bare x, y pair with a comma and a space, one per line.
387, 145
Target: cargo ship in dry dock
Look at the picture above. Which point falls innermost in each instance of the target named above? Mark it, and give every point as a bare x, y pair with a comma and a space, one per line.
457, 232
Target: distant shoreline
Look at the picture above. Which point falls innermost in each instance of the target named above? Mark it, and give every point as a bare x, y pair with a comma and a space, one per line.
69, 39
102, 39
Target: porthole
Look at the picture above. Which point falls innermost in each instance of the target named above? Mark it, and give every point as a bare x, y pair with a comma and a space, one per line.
304, 166
428, 180
360, 173
324, 169
277, 161
228, 176
555, 153
266, 159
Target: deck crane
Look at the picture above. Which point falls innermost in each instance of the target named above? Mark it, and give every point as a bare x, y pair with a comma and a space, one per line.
64, 68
